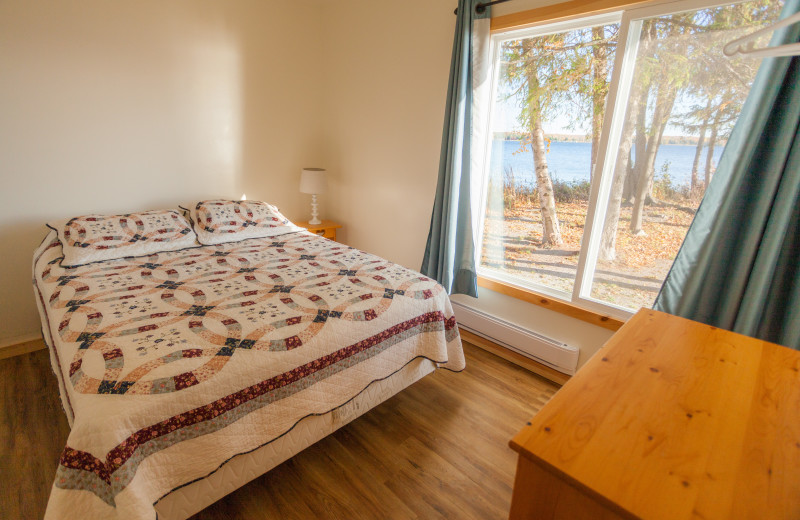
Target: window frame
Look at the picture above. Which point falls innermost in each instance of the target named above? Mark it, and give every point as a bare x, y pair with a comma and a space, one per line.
630, 16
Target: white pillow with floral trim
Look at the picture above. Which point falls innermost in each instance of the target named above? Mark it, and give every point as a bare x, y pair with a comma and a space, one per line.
94, 238
219, 221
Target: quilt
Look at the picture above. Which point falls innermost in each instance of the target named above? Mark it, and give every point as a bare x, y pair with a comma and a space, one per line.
171, 364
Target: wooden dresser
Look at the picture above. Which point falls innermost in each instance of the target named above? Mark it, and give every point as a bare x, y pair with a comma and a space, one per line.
671, 419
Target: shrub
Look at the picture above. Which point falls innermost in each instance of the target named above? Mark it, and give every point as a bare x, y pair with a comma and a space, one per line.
569, 192
665, 189
525, 194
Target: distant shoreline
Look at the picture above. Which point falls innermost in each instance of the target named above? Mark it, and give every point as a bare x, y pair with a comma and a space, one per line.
570, 161
688, 140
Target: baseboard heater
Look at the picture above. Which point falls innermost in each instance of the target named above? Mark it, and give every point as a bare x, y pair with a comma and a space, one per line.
547, 351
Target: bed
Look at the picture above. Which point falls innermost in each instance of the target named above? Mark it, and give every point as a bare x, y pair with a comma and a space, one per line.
185, 374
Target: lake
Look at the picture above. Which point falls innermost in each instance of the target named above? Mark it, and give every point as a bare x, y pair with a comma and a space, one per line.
571, 161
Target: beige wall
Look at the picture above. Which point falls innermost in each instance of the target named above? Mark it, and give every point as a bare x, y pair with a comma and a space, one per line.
386, 76
141, 104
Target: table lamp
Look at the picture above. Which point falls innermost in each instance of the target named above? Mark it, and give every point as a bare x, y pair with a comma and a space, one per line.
313, 182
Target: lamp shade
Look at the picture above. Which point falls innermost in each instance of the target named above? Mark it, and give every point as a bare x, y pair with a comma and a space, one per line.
313, 181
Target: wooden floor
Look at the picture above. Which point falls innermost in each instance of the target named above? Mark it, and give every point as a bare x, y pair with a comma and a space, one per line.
439, 449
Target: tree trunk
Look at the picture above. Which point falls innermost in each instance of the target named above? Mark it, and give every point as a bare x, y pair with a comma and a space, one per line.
712, 141
624, 168
701, 141
640, 144
599, 92
645, 174
551, 233
699, 150
627, 190
608, 238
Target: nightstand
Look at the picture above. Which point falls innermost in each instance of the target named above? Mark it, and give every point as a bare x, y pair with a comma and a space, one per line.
326, 229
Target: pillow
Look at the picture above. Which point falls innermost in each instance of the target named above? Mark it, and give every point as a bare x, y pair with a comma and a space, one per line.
93, 238
219, 221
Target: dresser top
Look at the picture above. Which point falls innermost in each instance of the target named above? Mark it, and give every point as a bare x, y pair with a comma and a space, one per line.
673, 419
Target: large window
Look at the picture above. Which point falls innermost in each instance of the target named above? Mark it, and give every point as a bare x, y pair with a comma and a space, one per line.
605, 132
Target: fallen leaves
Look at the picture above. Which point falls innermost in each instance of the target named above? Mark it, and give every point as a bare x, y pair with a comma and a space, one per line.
513, 244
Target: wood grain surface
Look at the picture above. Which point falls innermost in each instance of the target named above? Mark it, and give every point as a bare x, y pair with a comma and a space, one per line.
33, 431
673, 419
526, 295
560, 11
436, 450
21, 348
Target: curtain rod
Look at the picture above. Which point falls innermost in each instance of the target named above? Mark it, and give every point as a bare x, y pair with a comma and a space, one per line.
481, 7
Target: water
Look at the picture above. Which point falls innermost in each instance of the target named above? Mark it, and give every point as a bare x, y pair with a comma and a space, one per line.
571, 161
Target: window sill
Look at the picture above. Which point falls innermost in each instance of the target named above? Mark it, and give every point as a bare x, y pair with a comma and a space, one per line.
568, 309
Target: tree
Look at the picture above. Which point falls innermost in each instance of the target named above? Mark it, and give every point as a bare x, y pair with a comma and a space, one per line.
656, 85
602, 49
608, 237
553, 74
524, 61
623, 170
718, 84
665, 71
679, 57
706, 118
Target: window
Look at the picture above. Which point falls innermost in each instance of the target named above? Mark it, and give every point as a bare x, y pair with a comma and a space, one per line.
593, 209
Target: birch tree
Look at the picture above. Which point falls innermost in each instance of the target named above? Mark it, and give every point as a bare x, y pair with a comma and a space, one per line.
553, 74
524, 69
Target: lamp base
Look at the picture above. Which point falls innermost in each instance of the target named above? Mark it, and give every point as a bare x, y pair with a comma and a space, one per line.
314, 213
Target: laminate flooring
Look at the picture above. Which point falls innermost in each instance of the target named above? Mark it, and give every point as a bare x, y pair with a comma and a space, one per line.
438, 449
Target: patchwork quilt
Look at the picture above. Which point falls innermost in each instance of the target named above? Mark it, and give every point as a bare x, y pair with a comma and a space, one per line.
171, 364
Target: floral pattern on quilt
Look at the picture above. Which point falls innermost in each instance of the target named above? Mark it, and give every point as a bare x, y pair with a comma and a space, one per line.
272, 299
231, 331
221, 221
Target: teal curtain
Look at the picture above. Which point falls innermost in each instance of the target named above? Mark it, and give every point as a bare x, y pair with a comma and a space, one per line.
450, 250
739, 266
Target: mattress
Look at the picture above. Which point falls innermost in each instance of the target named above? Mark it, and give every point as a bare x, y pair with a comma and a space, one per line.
185, 374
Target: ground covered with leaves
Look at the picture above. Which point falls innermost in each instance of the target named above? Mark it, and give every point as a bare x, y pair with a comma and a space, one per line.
513, 244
